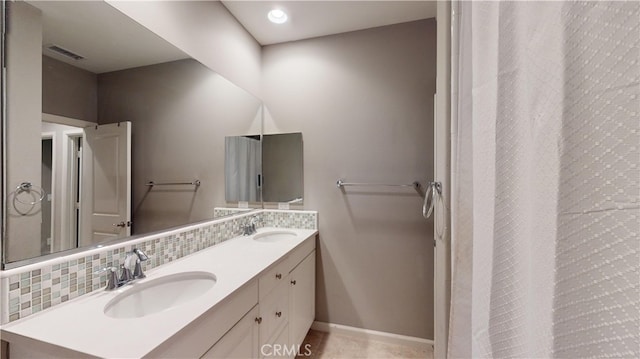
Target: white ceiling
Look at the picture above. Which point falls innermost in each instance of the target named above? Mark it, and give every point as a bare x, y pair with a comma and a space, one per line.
309, 19
76, 25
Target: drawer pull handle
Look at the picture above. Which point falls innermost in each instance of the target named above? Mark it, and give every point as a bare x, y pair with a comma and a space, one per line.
278, 314
259, 320
293, 282
279, 276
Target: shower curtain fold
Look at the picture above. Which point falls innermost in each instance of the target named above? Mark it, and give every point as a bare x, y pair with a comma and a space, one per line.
545, 134
243, 163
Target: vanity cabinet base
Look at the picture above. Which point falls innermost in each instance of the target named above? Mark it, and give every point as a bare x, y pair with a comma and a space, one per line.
277, 326
241, 341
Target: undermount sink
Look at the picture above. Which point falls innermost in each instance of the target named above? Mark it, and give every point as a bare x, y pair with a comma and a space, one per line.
159, 294
274, 236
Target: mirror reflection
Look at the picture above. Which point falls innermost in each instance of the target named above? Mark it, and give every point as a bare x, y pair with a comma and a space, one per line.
99, 108
86, 171
272, 167
243, 168
282, 168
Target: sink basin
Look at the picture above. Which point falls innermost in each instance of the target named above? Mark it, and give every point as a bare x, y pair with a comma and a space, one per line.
274, 236
159, 294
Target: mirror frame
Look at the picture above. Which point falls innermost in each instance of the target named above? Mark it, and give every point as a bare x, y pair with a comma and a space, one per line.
123, 240
4, 6
3, 129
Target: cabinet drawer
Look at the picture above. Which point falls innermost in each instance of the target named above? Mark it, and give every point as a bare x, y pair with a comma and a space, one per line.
301, 252
274, 276
274, 310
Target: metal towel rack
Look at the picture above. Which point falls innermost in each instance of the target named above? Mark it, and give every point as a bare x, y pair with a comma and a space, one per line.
415, 185
192, 183
28, 187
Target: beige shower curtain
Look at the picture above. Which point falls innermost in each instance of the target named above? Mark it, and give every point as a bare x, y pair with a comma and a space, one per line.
545, 180
242, 166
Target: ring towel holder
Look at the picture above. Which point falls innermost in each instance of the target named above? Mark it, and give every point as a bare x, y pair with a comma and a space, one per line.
29, 188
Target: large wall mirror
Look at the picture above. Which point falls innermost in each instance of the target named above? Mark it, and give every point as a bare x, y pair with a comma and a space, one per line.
110, 130
282, 171
268, 168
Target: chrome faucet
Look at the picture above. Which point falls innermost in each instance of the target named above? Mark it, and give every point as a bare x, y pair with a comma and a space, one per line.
249, 229
142, 257
130, 270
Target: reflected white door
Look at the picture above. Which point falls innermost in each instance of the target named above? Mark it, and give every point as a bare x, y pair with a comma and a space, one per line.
105, 201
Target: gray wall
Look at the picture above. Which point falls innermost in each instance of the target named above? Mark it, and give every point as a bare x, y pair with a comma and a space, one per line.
364, 103
24, 88
68, 90
180, 113
206, 31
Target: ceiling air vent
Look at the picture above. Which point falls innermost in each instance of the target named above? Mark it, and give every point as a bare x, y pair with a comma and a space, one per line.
64, 52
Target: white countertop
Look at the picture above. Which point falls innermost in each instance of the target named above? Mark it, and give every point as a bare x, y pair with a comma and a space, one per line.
81, 325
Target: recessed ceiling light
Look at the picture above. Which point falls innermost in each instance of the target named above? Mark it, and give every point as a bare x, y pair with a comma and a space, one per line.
277, 16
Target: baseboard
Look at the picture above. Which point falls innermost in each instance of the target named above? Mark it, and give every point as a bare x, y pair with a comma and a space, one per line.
391, 338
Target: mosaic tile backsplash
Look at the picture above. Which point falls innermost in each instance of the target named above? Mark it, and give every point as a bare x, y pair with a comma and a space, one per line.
284, 219
33, 290
222, 212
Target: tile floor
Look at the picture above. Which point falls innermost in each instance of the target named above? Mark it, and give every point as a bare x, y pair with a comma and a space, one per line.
337, 346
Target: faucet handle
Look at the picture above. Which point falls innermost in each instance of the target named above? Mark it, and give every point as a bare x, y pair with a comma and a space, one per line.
245, 229
142, 256
105, 269
249, 227
112, 280
126, 275
137, 272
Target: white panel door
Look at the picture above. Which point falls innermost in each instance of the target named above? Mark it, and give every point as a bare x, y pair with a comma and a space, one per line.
105, 200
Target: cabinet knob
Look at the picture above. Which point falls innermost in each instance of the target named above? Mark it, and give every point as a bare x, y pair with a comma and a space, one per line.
259, 320
293, 282
279, 276
278, 314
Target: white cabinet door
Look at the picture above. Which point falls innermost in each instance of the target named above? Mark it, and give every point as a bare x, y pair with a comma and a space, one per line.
239, 342
274, 311
280, 347
302, 298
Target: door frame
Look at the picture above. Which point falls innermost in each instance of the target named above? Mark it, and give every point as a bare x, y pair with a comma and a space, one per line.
442, 173
66, 241
52, 136
69, 217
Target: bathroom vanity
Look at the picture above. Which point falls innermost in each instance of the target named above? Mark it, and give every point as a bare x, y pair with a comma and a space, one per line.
248, 297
